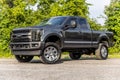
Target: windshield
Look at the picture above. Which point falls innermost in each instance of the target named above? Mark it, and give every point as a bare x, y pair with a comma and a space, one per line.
54, 21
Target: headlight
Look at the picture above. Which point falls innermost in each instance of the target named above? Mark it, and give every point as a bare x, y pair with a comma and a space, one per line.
35, 35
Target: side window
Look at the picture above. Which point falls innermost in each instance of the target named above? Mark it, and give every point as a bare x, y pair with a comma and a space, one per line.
83, 24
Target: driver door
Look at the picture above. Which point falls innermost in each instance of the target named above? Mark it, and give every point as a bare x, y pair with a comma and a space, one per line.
72, 36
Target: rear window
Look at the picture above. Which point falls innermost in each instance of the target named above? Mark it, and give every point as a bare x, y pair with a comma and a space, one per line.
83, 24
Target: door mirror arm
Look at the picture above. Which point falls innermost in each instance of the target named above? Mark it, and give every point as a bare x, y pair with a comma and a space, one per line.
66, 27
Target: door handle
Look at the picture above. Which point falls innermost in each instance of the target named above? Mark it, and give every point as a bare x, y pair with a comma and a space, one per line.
80, 32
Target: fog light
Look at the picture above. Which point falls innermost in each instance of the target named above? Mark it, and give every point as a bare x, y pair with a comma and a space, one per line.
34, 45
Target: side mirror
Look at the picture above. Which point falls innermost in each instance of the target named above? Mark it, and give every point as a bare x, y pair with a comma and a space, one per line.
73, 23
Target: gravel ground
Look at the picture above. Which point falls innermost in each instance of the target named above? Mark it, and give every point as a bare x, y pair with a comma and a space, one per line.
66, 69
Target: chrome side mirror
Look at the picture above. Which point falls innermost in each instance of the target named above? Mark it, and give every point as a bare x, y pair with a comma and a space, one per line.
73, 23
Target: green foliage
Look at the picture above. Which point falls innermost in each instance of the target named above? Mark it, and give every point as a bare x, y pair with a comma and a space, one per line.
5, 55
69, 7
94, 25
113, 22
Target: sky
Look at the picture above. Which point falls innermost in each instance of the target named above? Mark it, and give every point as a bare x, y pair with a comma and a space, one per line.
97, 9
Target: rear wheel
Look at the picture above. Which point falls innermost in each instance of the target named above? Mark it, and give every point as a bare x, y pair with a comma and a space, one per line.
102, 52
22, 58
51, 53
75, 56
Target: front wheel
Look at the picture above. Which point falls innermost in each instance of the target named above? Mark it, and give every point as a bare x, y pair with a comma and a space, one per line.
51, 53
102, 52
75, 56
22, 58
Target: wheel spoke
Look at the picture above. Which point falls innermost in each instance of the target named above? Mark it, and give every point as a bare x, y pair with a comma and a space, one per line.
53, 57
50, 58
47, 55
22, 57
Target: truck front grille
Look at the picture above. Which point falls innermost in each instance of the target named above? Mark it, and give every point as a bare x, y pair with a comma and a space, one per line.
21, 36
21, 40
21, 31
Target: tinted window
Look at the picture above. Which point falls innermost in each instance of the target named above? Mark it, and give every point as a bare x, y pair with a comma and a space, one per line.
56, 21
83, 24
53, 21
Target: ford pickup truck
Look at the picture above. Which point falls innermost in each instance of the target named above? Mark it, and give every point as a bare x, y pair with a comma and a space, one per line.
60, 34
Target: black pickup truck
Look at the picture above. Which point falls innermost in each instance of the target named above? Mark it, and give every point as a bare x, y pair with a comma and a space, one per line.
59, 34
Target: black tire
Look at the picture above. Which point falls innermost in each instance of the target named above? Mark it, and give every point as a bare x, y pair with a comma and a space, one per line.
51, 53
22, 58
75, 56
102, 52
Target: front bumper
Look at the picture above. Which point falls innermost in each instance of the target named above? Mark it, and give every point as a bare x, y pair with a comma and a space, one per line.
27, 48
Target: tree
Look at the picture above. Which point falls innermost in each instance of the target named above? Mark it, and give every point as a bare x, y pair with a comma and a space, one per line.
70, 7
113, 22
94, 24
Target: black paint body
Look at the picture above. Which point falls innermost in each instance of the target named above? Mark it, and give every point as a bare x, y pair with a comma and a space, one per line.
31, 40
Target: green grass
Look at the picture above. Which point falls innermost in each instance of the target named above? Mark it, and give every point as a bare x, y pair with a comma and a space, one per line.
114, 56
5, 55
